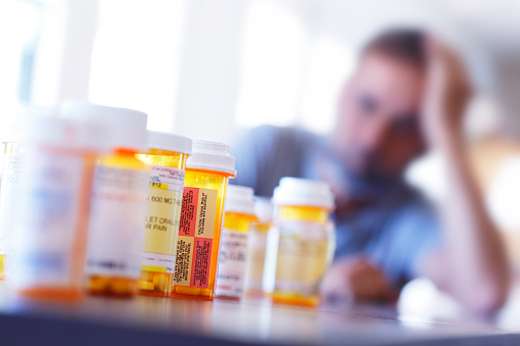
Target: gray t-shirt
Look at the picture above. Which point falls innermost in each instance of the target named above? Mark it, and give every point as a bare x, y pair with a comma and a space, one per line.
394, 226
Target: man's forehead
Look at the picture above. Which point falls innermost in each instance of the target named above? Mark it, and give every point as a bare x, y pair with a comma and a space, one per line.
391, 82
388, 70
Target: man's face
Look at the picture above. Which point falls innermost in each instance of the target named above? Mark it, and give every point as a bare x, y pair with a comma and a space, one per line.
378, 131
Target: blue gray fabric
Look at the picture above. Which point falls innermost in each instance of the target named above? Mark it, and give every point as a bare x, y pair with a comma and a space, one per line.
394, 230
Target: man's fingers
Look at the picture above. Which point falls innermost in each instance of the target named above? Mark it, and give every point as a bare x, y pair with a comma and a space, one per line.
440, 55
334, 288
356, 280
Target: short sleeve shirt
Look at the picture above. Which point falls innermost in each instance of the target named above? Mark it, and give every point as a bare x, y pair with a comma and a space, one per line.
394, 231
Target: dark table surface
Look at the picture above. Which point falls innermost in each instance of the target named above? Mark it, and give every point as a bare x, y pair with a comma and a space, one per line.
164, 321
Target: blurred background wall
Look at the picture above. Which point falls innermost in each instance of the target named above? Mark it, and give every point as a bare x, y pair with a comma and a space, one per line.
209, 68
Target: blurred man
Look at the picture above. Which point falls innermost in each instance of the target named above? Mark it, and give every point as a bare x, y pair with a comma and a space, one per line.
407, 93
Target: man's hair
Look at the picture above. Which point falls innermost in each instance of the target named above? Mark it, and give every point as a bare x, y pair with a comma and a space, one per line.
404, 44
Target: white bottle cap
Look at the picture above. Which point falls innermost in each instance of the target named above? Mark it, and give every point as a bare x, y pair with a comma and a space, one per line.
169, 141
127, 128
303, 192
240, 199
263, 209
211, 156
43, 126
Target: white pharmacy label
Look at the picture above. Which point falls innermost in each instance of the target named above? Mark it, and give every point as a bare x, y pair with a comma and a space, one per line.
47, 218
168, 175
117, 217
232, 263
162, 221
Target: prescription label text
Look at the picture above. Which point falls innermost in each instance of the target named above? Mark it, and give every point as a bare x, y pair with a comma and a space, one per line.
195, 243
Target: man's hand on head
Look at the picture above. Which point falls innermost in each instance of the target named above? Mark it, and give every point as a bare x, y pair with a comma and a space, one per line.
447, 93
471, 243
356, 279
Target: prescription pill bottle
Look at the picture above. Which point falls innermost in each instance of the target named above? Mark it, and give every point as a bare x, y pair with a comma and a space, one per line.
166, 156
257, 248
239, 216
208, 170
10, 162
52, 209
118, 204
306, 239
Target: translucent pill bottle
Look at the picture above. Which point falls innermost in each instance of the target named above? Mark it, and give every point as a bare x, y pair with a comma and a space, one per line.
239, 216
257, 248
208, 170
119, 207
51, 219
10, 162
166, 156
306, 239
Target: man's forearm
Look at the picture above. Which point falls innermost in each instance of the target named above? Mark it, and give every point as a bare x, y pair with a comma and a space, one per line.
478, 273
472, 266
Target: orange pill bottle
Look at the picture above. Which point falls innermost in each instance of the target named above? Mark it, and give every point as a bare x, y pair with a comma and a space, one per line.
239, 216
52, 208
207, 174
305, 239
255, 286
11, 153
118, 202
166, 156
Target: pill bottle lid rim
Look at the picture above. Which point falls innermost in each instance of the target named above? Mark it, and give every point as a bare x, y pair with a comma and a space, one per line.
240, 199
44, 126
125, 128
169, 141
303, 192
213, 156
263, 209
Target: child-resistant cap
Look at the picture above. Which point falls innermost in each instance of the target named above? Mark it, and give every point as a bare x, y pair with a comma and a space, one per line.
240, 199
44, 126
263, 209
169, 141
211, 156
127, 127
303, 192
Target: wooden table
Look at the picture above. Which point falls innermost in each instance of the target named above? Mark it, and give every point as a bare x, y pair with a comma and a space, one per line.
157, 321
